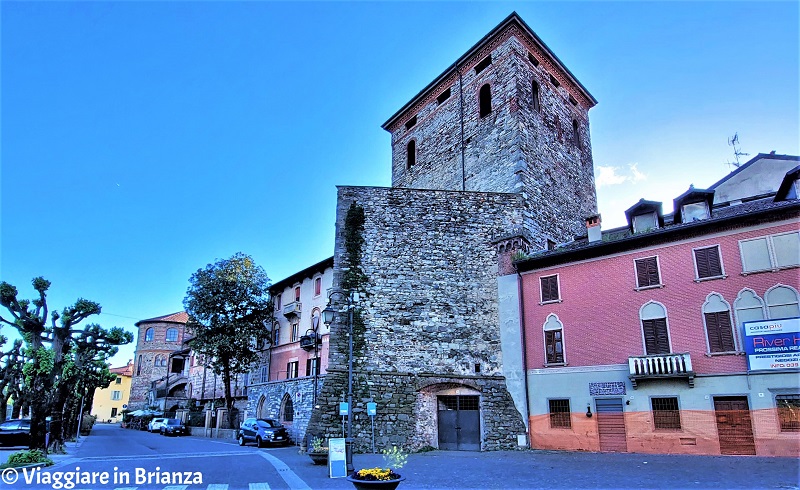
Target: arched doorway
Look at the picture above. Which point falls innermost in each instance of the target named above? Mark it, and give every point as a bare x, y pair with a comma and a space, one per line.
455, 411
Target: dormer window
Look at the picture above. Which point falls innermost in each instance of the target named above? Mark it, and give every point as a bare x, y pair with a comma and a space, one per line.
645, 222
694, 211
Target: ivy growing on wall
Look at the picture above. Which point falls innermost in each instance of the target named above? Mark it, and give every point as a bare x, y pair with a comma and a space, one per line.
354, 278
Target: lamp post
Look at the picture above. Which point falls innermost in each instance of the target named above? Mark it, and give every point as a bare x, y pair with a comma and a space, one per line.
328, 314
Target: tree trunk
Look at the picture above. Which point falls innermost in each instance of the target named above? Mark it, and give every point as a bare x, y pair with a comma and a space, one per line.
226, 382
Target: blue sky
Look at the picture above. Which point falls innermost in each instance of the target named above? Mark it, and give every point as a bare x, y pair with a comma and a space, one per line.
143, 140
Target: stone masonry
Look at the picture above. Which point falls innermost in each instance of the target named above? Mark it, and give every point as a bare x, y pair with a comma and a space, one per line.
430, 308
469, 187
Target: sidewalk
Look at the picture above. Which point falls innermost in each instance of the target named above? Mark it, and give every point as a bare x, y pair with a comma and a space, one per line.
69, 448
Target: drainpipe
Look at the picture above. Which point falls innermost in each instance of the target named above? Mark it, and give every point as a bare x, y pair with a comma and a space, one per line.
524, 354
461, 109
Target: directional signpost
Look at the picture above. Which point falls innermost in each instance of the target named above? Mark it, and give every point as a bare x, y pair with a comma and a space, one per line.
372, 410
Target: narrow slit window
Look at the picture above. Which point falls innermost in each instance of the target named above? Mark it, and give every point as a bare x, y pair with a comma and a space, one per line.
485, 100
536, 97
576, 135
411, 154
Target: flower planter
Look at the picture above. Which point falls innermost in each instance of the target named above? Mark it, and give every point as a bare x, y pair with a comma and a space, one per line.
375, 484
319, 458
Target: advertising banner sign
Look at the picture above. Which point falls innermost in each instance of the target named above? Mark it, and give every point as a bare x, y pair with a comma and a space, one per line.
337, 455
772, 344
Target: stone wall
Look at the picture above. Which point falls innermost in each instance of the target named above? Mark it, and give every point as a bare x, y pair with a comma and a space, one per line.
265, 400
430, 309
145, 371
514, 149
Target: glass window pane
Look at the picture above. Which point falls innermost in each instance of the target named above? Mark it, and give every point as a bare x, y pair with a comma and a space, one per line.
644, 222
787, 249
784, 311
695, 211
755, 255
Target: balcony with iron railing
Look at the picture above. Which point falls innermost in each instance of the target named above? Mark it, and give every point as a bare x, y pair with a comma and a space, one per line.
292, 309
661, 366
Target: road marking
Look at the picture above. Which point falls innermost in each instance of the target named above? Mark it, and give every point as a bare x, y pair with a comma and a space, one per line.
258, 486
289, 476
176, 487
215, 486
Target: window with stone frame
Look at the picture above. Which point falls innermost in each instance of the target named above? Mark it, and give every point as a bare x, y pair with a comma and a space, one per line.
297, 293
553, 340
719, 328
647, 272
788, 407
655, 332
148, 335
782, 302
291, 369
560, 414
276, 334
708, 262
172, 335
666, 414
549, 288
748, 307
295, 332
139, 367
317, 286
770, 252
264, 374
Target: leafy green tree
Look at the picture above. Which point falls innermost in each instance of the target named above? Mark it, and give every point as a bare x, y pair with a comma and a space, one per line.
229, 308
49, 338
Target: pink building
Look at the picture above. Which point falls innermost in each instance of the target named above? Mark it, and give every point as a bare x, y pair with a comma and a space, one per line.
634, 338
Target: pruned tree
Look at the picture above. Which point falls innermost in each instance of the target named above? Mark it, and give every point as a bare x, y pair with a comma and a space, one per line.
49, 337
229, 308
11, 378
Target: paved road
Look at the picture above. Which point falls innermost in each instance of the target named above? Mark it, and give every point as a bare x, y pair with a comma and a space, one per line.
223, 465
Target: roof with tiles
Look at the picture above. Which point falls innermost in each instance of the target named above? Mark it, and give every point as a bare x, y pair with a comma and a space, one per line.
622, 239
179, 317
124, 370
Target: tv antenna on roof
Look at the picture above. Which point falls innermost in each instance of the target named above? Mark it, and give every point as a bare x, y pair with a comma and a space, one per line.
737, 152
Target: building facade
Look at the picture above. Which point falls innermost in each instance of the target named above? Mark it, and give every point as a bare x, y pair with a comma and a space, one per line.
108, 403
496, 150
635, 338
285, 385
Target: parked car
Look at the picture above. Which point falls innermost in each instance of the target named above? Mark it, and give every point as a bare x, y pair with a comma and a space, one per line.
155, 424
174, 427
16, 432
262, 432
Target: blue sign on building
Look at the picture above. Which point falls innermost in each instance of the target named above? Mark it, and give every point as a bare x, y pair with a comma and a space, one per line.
772, 344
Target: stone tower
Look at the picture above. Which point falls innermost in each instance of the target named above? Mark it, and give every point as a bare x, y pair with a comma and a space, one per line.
507, 117
156, 340
491, 157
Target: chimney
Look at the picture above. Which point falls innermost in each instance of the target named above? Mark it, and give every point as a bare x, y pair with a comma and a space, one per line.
593, 228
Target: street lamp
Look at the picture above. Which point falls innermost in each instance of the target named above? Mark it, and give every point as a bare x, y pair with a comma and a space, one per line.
327, 316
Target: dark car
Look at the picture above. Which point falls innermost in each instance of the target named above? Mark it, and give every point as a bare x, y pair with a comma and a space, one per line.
173, 427
262, 432
15, 432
